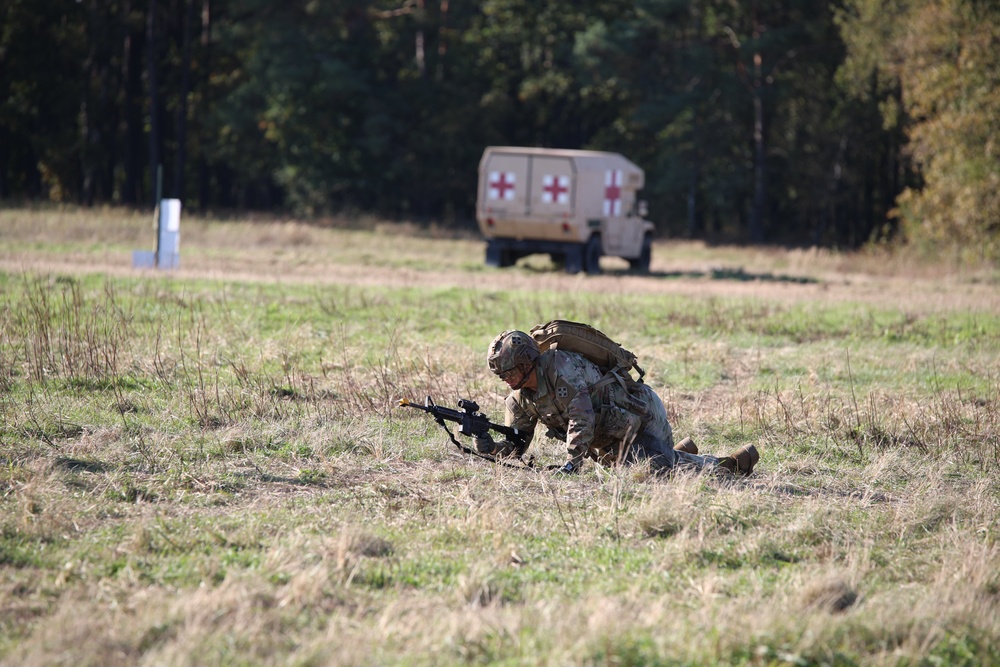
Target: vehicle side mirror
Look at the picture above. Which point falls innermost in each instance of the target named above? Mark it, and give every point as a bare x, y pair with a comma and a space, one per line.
643, 209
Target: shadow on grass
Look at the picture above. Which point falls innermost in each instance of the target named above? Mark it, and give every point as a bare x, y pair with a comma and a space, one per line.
306, 478
741, 275
736, 275
80, 465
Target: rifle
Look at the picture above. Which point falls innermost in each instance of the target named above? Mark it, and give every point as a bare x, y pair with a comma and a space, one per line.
472, 423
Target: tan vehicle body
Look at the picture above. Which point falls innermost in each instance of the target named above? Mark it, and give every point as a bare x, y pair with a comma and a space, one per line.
575, 205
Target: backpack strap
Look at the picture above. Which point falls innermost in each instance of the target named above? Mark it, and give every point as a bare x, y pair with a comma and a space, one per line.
611, 377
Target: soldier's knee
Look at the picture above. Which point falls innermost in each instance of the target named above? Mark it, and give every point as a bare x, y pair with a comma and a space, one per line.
653, 448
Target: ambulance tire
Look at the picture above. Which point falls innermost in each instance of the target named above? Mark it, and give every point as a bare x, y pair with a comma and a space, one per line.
573, 260
641, 263
592, 255
499, 256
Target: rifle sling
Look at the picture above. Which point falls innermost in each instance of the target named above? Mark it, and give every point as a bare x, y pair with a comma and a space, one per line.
530, 463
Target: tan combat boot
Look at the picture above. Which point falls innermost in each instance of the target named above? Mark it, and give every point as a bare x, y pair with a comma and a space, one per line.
686, 445
741, 461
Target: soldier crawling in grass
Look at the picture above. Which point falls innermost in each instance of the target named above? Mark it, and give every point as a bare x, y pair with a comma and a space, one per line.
601, 415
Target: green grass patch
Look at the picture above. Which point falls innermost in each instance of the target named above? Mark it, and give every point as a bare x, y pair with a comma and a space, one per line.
203, 468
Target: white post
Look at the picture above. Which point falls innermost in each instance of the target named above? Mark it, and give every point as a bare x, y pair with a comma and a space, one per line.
168, 254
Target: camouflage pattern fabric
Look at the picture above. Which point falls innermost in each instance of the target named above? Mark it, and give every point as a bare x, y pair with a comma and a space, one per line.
609, 424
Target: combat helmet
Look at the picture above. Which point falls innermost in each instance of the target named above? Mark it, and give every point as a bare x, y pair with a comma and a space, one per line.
511, 349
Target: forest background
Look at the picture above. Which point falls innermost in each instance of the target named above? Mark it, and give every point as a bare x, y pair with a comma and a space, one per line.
783, 121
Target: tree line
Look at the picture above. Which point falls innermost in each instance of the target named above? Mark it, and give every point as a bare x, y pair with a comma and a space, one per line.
789, 121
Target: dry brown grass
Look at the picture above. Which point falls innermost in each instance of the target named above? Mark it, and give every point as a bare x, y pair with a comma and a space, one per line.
252, 497
402, 254
317, 611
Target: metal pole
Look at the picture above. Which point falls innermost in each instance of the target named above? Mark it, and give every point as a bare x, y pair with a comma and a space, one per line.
156, 211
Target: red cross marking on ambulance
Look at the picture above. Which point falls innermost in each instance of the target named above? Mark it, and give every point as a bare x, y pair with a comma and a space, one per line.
613, 192
555, 189
502, 185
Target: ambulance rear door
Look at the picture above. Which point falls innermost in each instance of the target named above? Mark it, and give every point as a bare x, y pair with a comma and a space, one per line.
505, 185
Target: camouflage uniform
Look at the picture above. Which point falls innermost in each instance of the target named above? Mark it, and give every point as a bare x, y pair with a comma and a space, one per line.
596, 423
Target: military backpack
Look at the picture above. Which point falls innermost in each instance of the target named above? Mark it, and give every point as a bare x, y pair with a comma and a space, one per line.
583, 339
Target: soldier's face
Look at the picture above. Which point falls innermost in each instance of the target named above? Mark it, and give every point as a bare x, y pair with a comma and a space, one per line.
520, 377
513, 376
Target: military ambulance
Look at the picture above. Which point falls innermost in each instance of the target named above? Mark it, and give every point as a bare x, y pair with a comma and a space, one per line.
573, 205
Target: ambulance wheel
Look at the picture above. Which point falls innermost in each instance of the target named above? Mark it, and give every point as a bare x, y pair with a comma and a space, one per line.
592, 255
641, 263
499, 257
573, 260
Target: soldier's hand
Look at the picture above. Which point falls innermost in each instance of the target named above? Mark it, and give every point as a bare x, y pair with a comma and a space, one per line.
485, 444
556, 434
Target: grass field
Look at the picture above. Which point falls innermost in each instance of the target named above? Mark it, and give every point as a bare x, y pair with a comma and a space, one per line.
208, 466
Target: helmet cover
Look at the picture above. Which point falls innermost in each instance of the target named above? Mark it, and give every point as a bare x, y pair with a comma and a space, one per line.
511, 349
